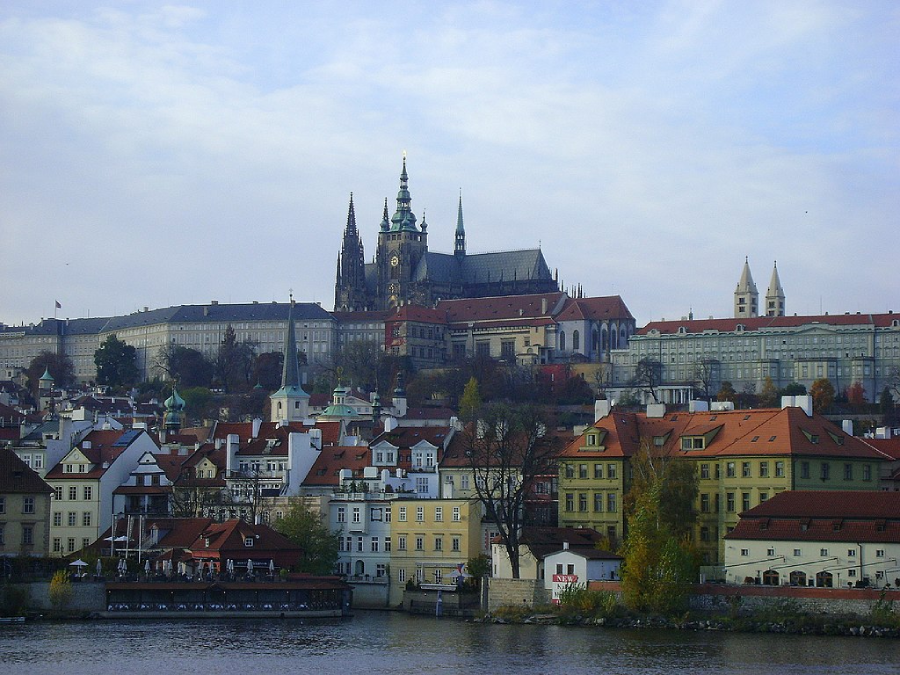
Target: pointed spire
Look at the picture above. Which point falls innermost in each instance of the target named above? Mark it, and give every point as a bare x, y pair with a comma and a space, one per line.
290, 374
459, 248
351, 219
385, 219
746, 297
775, 294
404, 218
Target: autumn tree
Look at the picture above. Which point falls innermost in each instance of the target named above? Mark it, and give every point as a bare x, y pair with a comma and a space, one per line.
822, 392
116, 363
856, 395
268, 370
507, 450
470, 402
726, 392
659, 561
306, 528
768, 397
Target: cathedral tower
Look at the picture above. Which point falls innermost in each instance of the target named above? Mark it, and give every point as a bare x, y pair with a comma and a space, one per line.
401, 245
746, 297
775, 295
350, 292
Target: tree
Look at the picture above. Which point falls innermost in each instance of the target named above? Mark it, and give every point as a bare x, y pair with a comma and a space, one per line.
470, 402
768, 397
306, 528
185, 366
822, 392
358, 361
116, 363
60, 590
794, 389
198, 403
268, 369
58, 365
507, 450
726, 392
887, 407
856, 396
706, 375
648, 377
659, 562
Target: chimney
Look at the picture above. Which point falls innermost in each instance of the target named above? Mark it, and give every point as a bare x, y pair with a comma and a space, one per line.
698, 406
802, 402
656, 410
543, 305
390, 423
602, 409
565, 546
257, 423
847, 427
231, 449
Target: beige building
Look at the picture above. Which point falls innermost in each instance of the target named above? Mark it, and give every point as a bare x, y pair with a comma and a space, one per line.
24, 508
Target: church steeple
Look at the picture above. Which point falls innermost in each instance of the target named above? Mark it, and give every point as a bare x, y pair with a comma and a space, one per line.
350, 282
459, 248
403, 219
746, 297
290, 403
775, 295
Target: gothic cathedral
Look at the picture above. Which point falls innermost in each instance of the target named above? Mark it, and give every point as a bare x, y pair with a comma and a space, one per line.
405, 271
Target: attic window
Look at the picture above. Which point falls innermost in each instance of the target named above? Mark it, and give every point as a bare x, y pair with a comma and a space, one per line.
206, 542
693, 442
659, 441
746, 417
713, 418
772, 438
754, 439
248, 542
674, 418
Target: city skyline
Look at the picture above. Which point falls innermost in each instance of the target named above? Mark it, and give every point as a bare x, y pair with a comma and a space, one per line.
153, 156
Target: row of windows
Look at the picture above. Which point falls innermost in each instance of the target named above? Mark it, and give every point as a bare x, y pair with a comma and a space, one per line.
583, 471
438, 543
27, 535
823, 552
87, 492
72, 519
70, 544
27, 504
599, 500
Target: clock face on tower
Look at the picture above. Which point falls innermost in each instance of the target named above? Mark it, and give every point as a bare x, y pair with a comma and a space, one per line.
395, 260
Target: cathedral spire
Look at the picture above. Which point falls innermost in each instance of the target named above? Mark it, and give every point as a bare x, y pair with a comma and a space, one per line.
290, 373
459, 248
775, 294
746, 297
403, 218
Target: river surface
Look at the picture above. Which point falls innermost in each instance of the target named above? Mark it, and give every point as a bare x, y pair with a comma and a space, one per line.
389, 642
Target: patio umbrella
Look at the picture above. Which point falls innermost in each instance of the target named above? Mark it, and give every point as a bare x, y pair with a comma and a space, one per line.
271, 566
99, 567
249, 567
122, 566
230, 566
78, 563
147, 567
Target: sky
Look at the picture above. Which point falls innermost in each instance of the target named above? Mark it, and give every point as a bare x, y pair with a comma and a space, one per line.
155, 155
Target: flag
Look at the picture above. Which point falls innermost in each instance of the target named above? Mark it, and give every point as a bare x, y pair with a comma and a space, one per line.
58, 306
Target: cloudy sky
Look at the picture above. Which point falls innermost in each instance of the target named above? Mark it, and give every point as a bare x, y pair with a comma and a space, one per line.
155, 155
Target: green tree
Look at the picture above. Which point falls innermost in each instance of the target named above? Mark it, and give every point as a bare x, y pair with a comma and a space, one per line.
768, 397
185, 366
822, 392
60, 368
887, 407
199, 402
306, 528
659, 561
268, 369
794, 389
116, 363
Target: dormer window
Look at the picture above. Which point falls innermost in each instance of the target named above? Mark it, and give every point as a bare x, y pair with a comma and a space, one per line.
693, 442
248, 542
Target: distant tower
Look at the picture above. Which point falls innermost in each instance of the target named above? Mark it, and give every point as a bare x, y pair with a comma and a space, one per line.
459, 248
350, 292
746, 297
173, 416
775, 295
290, 403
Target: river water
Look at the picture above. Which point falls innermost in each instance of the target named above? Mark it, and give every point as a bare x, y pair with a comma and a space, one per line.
390, 642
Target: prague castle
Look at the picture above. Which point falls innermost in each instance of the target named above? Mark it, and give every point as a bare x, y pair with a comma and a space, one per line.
404, 271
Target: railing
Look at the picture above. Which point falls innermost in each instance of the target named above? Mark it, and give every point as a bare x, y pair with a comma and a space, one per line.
219, 606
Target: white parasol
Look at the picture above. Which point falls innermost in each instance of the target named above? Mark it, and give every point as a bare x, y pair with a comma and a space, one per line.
78, 563
249, 567
271, 566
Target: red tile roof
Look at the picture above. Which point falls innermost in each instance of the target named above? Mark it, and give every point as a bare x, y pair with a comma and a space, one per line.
16, 477
597, 309
332, 459
515, 307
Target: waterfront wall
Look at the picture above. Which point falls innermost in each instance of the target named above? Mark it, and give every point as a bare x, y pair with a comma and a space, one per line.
370, 596
831, 601
87, 596
516, 593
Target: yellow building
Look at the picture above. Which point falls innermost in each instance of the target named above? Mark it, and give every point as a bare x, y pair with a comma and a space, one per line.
24, 508
431, 538
743, 457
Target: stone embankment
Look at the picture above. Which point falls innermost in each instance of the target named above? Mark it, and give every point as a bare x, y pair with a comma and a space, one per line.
802, 625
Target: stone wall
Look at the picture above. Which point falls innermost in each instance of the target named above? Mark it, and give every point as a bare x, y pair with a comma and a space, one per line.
833, 601
370, 596
516, 593
87, 596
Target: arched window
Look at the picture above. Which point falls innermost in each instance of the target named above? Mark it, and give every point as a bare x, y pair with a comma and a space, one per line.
798, 578
360, 568
562, 340
824, 580
770, 578
576, 341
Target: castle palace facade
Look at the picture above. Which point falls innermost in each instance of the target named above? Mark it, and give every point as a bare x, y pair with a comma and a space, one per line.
405, 272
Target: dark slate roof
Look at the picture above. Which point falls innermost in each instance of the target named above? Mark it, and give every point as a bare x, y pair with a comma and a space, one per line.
17, 477
272, 311
481, 268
